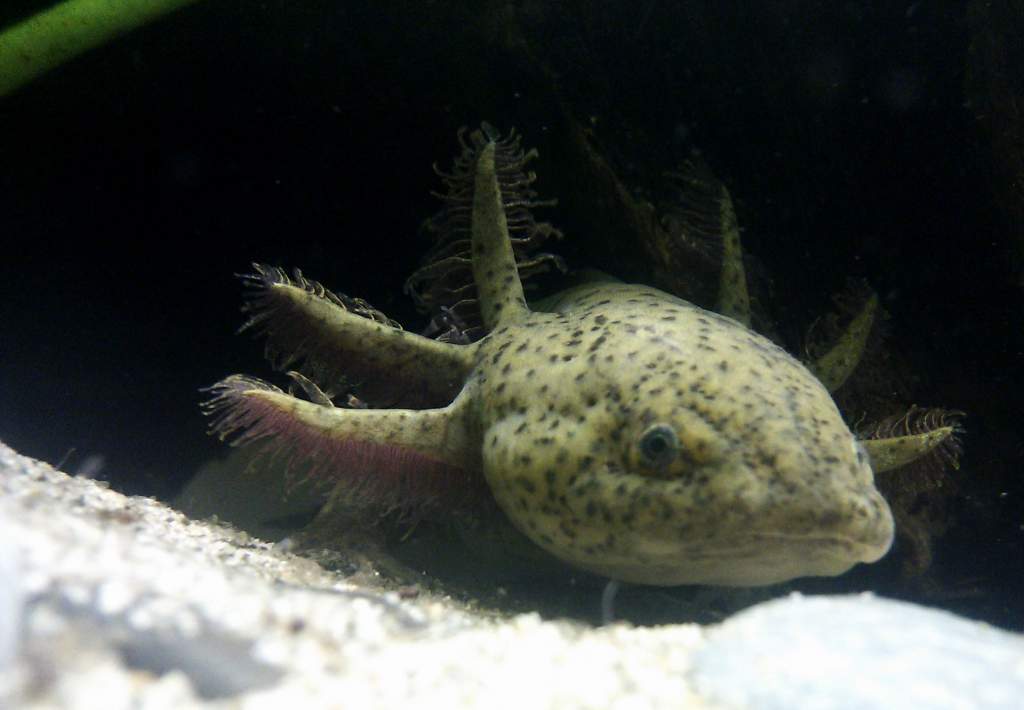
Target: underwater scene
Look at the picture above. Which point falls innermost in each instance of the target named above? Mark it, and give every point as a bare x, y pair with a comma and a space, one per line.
648, 311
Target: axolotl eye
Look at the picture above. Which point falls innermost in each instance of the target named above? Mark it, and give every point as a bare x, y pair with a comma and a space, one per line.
659, 446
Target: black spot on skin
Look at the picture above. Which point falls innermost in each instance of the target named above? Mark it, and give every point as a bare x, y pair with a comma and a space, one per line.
526, 484
600, 320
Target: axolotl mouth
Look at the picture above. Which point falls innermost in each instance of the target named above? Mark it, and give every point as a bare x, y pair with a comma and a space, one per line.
755, 560
744, 566
640, 531
764, 559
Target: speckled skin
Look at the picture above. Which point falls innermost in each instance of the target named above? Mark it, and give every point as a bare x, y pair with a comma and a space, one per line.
767, 482
623, 430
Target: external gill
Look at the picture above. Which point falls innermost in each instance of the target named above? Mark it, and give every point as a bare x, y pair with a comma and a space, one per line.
444, 286
899, 440
331, 338
841, 357
404, 459
703, 216
494, 263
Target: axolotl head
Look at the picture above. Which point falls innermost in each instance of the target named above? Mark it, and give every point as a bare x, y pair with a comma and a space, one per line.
650, 441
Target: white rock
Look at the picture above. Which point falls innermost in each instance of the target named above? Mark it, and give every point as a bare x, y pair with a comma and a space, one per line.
124, 602
858, 652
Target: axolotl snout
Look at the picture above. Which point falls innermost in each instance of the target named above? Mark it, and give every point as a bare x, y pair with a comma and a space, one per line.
625, 431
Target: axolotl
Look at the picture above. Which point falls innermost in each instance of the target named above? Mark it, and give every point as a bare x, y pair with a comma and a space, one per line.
623, 430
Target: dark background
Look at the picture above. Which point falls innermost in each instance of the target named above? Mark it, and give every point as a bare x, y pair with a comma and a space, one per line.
138, 179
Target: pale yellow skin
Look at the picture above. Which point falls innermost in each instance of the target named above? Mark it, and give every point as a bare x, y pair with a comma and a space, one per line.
767, 482
623, 430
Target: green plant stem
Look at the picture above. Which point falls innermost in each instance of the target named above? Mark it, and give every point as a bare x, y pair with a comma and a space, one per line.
34, 46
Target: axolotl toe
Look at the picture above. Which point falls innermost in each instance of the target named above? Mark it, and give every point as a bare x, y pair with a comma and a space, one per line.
625, 431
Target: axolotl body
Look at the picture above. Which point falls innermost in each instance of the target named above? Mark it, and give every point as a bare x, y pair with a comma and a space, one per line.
623, 430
